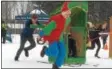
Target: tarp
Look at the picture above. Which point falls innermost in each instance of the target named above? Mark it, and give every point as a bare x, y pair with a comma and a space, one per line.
42, 16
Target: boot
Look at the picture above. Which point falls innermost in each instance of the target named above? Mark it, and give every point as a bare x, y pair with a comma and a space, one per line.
43, 51
97, 56
55, 66
16, 58
26, 53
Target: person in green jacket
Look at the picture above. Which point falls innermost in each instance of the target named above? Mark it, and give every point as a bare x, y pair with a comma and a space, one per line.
3, 31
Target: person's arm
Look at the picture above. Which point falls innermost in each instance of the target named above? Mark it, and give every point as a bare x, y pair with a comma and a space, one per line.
27, 24
37, 29
37, 26
46, 30
49, 28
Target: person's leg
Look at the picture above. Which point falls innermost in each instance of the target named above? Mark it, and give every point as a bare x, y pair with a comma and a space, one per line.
61, 56
92, 45
52, 50
104, 40
73, 48
69, 47
22, 43
32, 43
56, 50
98, 48
1, 36
4, 37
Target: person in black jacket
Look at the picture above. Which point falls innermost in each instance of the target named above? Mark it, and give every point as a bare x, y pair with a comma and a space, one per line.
94, 37
27, 35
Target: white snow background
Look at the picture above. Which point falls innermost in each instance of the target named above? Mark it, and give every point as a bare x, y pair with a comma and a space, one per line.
9, 51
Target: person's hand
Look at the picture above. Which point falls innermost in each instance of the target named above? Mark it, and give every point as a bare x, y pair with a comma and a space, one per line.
104, 26
40, 40
36, 30
41, 33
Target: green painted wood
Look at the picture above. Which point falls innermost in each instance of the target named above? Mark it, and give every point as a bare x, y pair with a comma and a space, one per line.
78, 25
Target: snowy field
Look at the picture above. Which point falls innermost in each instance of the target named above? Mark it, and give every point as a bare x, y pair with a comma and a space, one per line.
9, 50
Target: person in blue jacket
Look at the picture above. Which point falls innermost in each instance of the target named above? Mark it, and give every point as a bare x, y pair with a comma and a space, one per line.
27, 35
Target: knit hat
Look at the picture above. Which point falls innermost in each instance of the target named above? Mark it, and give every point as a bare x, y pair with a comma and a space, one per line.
65, 7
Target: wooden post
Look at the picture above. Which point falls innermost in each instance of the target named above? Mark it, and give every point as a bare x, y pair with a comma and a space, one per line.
110, 41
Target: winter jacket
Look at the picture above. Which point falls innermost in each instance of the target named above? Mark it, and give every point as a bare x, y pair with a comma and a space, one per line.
57, 24
27, 31
94, 33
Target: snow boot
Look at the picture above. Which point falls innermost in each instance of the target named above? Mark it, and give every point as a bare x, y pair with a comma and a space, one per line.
26, 53
55, 66
97, 56
16, 58
42, 51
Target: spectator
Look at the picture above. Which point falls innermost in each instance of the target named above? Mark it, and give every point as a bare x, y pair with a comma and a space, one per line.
3, 31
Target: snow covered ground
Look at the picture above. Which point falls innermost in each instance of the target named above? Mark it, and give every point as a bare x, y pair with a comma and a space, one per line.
9, 50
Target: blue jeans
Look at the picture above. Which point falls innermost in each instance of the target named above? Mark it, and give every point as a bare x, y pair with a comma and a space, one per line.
41, 33
56, 49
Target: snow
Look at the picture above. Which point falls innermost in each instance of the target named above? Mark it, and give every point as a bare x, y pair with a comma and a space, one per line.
9, 50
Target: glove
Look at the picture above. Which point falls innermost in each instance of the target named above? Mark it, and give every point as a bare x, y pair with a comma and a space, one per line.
41, 33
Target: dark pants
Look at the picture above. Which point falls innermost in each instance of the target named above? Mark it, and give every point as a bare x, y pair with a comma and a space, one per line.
22, 44
104, 38
3, 35
72, 47
96, 41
